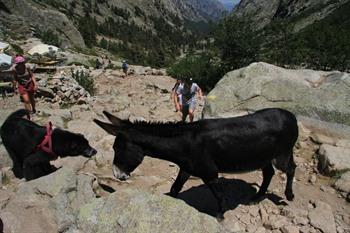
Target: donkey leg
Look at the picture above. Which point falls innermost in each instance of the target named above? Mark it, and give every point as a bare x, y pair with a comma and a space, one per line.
181, 178
290, 176
33, 165
218, 193
17, 167
268, 173
285, 163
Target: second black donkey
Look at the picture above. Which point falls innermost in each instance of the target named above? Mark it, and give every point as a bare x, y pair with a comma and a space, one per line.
22, 139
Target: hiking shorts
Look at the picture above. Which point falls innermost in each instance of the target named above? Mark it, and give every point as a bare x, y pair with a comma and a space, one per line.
191, 103
28, 89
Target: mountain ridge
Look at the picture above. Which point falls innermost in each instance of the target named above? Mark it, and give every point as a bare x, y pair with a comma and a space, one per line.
303, 13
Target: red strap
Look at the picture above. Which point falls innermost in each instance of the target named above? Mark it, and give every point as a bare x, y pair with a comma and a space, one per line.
46, 144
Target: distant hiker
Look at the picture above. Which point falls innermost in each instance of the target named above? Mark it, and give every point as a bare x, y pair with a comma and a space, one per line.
98, 64
125, 67
106, 62
176, 95
25, 81
188, 97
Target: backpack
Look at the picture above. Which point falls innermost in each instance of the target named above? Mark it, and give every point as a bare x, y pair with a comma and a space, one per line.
124, 66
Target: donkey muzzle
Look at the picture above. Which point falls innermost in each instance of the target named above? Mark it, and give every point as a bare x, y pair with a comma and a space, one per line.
119, 174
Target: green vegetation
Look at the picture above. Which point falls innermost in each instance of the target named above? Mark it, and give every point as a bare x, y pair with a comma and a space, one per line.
48, 37
236, 42
88, 29
140, 45
121, 12
324, 45
17, 49
204, 70
84, 80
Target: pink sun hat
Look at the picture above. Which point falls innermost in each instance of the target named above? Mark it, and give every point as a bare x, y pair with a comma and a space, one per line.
19, 59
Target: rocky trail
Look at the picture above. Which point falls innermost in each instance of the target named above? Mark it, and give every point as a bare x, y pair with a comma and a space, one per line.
79, 196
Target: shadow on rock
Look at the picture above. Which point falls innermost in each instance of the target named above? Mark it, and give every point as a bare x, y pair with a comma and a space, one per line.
236, 192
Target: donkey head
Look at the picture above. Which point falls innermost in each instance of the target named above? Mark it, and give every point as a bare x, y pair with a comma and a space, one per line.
127, 155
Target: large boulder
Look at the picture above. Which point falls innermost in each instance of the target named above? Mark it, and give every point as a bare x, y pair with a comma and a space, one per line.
343, 185
323, 96
140, 212
65, 202
333, 159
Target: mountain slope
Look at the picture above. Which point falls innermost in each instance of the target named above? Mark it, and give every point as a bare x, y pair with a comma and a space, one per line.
146, 31
310, 34
45, 14
302, 12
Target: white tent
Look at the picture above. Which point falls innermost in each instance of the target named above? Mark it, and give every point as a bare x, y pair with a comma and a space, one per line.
3, 46
5, 61
42, 49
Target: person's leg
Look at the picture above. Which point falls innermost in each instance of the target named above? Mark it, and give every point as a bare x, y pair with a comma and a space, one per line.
32, 101
26, 100
191, 110
191, 114
177, 103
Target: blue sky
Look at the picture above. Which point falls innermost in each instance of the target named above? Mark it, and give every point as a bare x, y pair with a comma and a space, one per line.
229, 3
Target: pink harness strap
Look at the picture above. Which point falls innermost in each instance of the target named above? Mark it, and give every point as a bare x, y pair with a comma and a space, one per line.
46, 144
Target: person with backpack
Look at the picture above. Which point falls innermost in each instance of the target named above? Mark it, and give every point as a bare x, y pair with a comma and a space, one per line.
125, 67
25, 82
188, 97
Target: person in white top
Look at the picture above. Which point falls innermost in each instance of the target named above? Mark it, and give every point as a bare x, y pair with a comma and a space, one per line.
188, 93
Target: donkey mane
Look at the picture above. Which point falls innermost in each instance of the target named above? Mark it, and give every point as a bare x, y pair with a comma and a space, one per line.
165, 129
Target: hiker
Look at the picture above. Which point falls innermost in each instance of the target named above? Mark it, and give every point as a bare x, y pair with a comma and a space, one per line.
98, 64
25, 81
176, 95
125, 67
106, 62
188, 97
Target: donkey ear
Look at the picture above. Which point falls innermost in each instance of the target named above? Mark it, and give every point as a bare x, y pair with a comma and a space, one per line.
113, 119
111, 129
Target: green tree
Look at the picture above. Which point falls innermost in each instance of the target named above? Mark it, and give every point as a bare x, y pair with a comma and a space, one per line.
202, 68
237, 42
87, 27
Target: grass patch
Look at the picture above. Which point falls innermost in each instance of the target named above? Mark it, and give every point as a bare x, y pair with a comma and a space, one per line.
5, 179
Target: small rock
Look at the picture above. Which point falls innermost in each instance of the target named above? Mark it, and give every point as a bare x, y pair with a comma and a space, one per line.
290, 229
301, 221
260, 230
313, 179
263, 215
276, 222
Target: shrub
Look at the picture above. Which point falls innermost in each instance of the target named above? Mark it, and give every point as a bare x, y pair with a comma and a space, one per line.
17, 49
84, 80
48, 37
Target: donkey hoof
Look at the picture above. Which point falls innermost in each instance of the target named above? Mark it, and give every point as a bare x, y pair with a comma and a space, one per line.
172, 194
220, 217
290, 196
